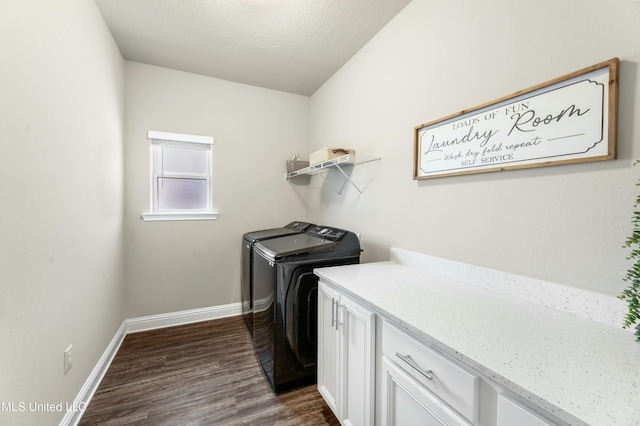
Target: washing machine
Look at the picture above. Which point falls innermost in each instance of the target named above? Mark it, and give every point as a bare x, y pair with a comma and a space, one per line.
285, 309
248, 241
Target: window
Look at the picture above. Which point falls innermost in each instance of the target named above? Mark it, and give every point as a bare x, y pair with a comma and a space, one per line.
181, 174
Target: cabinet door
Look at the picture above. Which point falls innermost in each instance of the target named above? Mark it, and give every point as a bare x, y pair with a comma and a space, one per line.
328, 345
407, 403
357, 326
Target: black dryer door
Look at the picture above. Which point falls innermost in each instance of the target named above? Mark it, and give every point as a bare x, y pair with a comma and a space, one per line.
302, 317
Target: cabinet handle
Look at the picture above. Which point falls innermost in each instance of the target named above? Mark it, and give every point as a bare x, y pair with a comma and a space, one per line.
338, 314
333, 312
407, 358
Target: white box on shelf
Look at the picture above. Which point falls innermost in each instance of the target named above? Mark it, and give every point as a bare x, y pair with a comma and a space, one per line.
329, 153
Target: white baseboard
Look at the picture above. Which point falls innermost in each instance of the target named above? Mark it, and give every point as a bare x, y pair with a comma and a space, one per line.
182, 317
133, 325
73, 415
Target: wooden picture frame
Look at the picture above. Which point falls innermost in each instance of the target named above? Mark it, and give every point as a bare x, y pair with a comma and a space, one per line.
570, 119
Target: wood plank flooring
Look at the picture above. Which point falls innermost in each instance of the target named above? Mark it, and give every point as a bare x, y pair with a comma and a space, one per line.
197, 374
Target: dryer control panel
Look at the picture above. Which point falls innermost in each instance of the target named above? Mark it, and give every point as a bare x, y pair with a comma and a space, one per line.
327, 233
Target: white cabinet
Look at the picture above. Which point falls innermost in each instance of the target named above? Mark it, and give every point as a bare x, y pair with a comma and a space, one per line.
406, 403
421, 387
377, 369
512, 413
328, 368
346, 351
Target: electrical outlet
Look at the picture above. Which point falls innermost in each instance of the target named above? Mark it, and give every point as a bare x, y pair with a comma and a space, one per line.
68, 359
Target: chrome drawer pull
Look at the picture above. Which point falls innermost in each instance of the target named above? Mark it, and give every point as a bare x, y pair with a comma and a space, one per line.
407, 358
333, 312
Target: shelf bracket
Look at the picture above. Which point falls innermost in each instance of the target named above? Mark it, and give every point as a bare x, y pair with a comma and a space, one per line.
348, 178
337, 191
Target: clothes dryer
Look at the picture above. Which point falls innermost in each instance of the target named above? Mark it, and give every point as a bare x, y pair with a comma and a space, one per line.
248, 241
285, 320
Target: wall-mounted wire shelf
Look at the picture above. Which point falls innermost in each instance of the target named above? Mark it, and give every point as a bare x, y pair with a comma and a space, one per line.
335, 163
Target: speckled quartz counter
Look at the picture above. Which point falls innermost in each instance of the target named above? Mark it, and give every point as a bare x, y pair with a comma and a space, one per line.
580, 370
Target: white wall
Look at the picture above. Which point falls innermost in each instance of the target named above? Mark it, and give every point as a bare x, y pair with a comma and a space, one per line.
61, 200
62, 121
174, 266
563, 223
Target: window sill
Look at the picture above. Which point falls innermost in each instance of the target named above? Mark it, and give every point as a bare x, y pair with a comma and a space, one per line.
156, 217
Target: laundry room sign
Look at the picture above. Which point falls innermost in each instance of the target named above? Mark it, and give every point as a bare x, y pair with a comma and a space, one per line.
566, 120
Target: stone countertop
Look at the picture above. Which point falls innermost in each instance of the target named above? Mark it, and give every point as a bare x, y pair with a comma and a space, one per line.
582, 371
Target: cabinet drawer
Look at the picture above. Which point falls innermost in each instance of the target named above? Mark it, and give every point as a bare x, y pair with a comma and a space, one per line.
512, 413
454, 384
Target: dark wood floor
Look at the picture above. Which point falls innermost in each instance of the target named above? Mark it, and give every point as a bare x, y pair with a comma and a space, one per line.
197, 374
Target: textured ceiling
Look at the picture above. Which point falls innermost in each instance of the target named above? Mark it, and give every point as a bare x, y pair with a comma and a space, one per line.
288, 45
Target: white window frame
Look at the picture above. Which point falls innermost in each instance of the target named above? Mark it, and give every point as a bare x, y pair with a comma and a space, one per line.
178, 139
